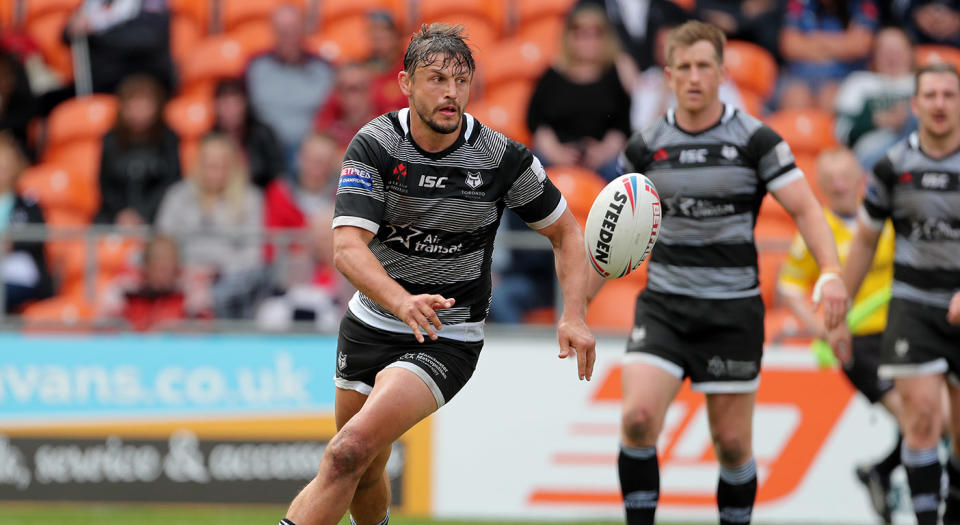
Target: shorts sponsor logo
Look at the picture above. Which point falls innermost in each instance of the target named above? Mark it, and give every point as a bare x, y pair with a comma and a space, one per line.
351, 177
638, 335
716, 366
741, 369
427, 362
901, 347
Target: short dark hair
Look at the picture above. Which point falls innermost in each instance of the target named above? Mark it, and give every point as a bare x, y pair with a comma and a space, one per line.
936, 67
439, 40
692, 32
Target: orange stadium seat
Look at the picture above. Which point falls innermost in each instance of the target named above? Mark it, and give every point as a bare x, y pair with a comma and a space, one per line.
931, 54
770, 262
236, 13
81, 158
514, 60
67, 310
752, 102
33, 9
613, 308
752, 67
81, 118
46, 31
185, 34
332, 13
546, 33
493, 12
505, 110
214, 58
189, 116
55, 188
255, 38
339, 43
781, 326
6, 14
579, 186
774, 223
196, 10
531, 11
188, 155
806, 130
808, 165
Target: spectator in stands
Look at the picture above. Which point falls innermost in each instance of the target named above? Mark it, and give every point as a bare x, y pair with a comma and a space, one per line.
235, 117
636, 23
756, 21
822, 42
155, 296
141, 156
351, 106
579, 111
217, 216
124, 37
17, 103
385, 61
873, 107
288, 85
16, 41
23, 264
292, 205
652, 95
930, 21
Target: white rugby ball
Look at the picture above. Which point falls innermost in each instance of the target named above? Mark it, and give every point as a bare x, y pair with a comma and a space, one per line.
623, 225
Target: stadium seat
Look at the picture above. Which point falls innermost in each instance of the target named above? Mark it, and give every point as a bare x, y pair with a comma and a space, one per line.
196, 10
235, 13
613, 307
81, 158
774, 224
751, 67
333, 13
931, 54
190, 117
46, 31
546, 32
490, 12
532, 11
782, 327
6, 14
505, 110
339, 43
214, 58
514, 60
55, 188
770, 262
185, 34
254, 37
808, 165
752, 102
61, 310
579, 186
34, 9
806, 130
79, 119
188, 155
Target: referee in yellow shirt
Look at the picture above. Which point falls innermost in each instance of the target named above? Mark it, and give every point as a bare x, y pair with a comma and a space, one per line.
841, 179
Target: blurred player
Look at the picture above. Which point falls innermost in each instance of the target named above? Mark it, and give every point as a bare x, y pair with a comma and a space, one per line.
841, 180
701, 314
917, 185
419, 200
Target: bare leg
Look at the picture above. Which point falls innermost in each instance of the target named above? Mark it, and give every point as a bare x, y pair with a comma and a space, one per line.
731, 426
648, 391
372, 497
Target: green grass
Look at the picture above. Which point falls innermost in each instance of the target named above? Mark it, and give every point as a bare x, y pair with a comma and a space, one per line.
90, 514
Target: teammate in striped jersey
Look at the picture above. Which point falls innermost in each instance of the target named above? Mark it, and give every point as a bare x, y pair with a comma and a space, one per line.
420, 196
701, 314
917, 185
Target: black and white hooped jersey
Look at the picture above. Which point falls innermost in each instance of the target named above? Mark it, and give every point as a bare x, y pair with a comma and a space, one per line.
922, 197
710, 185
435, 215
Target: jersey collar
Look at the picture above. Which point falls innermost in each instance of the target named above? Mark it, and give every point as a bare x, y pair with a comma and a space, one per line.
728, 112
466, 131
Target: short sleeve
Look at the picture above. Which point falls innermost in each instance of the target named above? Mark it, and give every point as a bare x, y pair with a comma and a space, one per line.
532, 196
865, 14
635, 156
878, 199
799, 271
773, 159
360, 196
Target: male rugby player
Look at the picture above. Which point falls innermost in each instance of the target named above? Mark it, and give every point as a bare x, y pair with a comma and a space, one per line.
917, 185
701, 314
420, 196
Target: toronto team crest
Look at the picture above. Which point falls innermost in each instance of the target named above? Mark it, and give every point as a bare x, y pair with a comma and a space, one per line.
474, 180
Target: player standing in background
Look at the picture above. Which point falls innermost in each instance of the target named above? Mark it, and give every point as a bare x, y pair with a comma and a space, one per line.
841, 179
420, 197
701, 314
917, 185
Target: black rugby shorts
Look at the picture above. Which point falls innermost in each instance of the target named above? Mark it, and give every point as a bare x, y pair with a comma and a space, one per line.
919, 341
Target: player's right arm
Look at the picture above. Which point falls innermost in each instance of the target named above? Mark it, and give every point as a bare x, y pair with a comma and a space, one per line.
874, 211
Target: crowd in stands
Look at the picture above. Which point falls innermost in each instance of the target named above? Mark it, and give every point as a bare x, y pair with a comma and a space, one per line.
211, 131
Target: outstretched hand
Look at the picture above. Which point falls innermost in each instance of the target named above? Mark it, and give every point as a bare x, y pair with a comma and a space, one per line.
575, 339
419, 313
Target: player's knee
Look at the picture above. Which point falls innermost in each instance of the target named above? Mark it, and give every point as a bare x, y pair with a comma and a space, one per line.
372, 476
348, 454
923, 426
641, 426
732, 447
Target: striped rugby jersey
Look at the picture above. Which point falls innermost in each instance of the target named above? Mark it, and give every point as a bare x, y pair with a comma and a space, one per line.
710, 185
922, 197
434, 215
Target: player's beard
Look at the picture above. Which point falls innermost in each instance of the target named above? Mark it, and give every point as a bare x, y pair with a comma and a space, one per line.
437, 127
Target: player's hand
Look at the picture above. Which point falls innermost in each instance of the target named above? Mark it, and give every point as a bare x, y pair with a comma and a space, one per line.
840, 342
575, 339
833, 297
419, 312
953, 313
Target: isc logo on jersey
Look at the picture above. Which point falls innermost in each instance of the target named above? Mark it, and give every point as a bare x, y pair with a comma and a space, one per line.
432, 181
623, 225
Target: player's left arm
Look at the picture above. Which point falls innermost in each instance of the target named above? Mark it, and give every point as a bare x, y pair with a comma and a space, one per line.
572, 271
953, 314
797, 198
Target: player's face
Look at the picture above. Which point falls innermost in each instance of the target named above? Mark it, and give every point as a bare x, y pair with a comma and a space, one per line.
937, 104
695, 75
438, 93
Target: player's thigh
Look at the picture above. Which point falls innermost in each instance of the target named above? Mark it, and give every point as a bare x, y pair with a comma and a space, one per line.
953, 401
731, 425
648, 390
398, 401
346, 404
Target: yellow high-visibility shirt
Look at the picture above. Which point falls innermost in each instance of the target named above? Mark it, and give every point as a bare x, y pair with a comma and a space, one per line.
800, 271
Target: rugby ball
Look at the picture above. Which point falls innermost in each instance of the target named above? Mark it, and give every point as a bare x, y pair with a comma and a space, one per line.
623, 225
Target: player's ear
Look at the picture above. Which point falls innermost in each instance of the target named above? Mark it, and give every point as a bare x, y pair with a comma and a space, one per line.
406, 82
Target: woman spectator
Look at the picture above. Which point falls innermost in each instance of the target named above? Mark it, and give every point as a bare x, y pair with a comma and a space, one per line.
140, 158
235, 117
580, 112
23, 265
822, 42
218, 217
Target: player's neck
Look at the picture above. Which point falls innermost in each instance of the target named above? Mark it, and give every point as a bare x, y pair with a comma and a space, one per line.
428, 139
939, 147
694, 121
